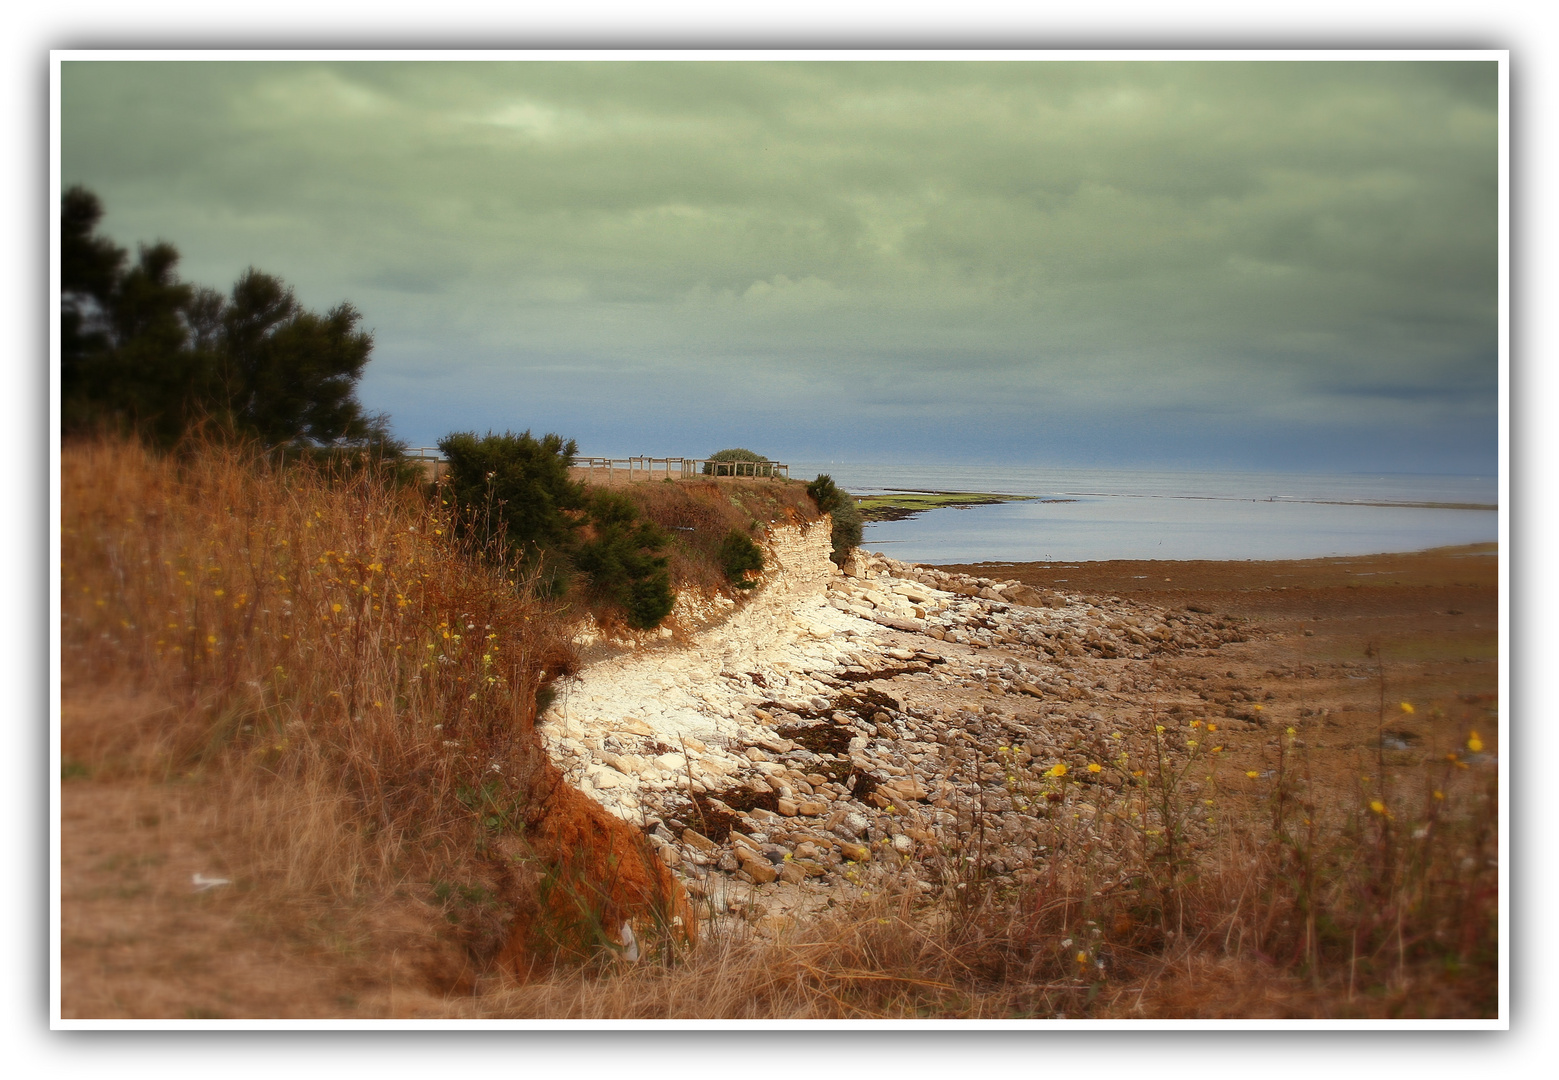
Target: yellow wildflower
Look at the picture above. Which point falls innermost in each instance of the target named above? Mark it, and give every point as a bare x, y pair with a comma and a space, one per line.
1407, 708
1252, 773
1094, 766
1474, 743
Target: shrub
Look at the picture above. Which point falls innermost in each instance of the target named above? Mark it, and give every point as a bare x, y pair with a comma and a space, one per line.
515, 490
622, 560
738, 554
748, 463
831, 499
512, 494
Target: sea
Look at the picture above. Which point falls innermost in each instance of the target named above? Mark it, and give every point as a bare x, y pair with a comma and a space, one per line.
1101, 513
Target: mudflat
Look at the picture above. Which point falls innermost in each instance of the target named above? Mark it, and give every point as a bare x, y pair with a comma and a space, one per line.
1339, 644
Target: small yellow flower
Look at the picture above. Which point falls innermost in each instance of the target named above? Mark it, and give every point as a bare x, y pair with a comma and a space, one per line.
1082, 958
1212, 727
1258, 708
1290, 731
1252, 773
1094, 766
1407, 708
1474, 743
1439, 795
1057, 770
1377, 806
1196, 723
1217, 749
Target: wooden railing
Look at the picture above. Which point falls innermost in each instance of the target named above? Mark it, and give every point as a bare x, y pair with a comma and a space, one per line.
635, 469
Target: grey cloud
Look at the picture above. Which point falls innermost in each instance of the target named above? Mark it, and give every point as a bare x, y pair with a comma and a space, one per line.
1235, 240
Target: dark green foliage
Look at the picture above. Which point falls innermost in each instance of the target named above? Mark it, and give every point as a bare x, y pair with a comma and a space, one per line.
285, 374
514, 493
755, 464
738, 554
831, 499
622, 560
515, 490
90, 266
145, 352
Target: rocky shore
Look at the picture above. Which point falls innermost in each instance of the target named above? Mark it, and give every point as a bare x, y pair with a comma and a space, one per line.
838, 726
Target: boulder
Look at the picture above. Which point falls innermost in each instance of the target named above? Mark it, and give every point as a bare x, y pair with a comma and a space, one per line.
698, 840
758, 868
855, 852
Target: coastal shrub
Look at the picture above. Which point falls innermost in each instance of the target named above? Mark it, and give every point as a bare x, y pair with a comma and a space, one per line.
512, 494
747, 463
514, 491
831, 499
622, 560
738, 555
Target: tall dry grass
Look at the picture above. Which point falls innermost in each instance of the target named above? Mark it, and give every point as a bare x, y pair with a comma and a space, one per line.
354, 688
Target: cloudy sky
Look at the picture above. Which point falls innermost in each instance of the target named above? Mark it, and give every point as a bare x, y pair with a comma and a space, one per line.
1170, 264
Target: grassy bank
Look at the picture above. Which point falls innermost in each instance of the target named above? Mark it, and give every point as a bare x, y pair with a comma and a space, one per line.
699, 514
307, 680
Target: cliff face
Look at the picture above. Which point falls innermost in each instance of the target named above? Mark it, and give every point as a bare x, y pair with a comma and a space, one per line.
667, 690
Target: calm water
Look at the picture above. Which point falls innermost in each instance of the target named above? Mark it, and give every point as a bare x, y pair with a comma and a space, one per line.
1142, 514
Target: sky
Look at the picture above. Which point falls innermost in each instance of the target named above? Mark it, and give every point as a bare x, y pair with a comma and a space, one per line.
1205, 265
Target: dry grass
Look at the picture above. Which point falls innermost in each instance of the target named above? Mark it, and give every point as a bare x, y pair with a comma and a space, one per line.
699, 513
351, 690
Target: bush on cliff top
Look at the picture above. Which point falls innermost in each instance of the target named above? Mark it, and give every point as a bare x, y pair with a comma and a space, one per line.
515, 495
831, 499
747, 463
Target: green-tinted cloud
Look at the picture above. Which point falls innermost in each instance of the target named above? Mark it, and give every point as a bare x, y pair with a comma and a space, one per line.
1270, 243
